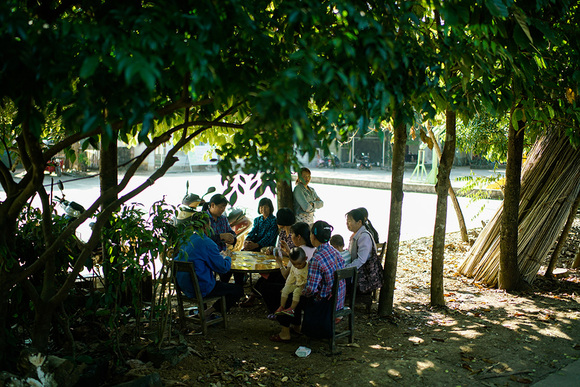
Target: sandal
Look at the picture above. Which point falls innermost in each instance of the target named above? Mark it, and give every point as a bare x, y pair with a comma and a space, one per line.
248, 303
288, 312
277, 339
279, 311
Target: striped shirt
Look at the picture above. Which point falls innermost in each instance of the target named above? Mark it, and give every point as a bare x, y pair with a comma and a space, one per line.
321, 268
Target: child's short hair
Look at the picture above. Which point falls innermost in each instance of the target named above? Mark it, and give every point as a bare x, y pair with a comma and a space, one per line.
297, 255
337, 241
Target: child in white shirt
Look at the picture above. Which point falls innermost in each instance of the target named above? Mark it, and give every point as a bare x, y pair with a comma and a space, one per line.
295, 281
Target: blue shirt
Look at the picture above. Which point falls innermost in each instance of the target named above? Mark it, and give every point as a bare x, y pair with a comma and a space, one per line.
264, 232
220, 226
204, 253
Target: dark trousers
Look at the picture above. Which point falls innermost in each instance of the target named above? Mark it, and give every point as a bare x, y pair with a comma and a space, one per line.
270, 289
239, 278
232, 292
285, 320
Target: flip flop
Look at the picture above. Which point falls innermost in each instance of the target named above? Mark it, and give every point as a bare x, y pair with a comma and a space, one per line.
277, 339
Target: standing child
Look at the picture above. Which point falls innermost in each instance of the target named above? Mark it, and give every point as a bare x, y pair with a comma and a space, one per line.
295, 282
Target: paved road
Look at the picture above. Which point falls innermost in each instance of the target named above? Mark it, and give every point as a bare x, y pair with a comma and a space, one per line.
418, 208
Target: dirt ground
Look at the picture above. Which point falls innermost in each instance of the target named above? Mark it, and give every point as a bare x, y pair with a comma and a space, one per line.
483, 337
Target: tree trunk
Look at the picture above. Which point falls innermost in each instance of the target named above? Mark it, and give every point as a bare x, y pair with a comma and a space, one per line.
284, 195
108, 179
576, 263
42, 325
456, 206
387, 294
509, 274
442, 188
563, 237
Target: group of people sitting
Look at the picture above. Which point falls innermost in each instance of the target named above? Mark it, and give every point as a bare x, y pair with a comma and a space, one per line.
298, 296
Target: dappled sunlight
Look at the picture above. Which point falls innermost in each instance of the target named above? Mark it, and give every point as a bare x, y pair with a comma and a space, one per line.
424, 365
380, 347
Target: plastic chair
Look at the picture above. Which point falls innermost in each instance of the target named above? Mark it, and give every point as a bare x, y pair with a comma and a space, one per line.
200, 318
348, 310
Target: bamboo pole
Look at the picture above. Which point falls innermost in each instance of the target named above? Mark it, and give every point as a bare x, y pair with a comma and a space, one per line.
452, 196
550, 177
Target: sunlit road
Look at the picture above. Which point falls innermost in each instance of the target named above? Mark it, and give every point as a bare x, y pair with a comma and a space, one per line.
418, 209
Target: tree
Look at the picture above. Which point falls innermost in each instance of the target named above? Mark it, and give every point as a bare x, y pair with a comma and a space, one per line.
442, 188
519, 59
273, 77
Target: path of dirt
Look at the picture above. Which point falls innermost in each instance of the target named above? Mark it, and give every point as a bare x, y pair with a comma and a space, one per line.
484, 337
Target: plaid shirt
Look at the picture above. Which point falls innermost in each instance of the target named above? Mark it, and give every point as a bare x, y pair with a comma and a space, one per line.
321, 268
264, 232
220, 226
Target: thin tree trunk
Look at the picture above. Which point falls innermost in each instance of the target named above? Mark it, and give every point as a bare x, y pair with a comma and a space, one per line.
387, 294
43, 315
284, 195
563, 237
443, 185
456, 206
108, 179
576, 263
509, 274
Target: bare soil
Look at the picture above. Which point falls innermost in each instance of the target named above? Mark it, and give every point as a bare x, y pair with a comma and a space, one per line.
482, 337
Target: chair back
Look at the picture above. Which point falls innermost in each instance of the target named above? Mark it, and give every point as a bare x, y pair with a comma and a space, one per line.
187, 267
348, 310
345, 274
201, 317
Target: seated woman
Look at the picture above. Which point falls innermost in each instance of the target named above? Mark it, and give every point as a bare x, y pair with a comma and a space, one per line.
204, 252
265, 229
284, 219
367, 223
316, 296
362, 247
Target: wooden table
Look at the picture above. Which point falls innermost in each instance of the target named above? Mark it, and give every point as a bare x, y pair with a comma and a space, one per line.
254, 262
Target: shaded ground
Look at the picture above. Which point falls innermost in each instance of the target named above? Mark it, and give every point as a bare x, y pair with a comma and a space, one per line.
483, 337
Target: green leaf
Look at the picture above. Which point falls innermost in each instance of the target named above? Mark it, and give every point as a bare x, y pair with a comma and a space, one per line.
522, 20
233, 198
497, 8
89, 66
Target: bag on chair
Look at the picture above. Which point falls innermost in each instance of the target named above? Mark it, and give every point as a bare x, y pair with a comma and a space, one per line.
371, 274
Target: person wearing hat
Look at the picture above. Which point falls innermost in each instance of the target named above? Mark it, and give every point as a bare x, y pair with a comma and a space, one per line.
241, 224
204, 252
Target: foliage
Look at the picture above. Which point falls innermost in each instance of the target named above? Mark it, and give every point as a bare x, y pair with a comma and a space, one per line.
258, 80
484, 136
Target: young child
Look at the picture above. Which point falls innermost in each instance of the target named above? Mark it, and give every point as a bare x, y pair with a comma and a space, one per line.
337, 242
295, 282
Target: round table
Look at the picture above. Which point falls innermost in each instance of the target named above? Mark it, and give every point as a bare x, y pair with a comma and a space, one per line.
254, 262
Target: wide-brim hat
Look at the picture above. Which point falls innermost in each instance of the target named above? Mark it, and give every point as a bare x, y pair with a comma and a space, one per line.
235, 215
